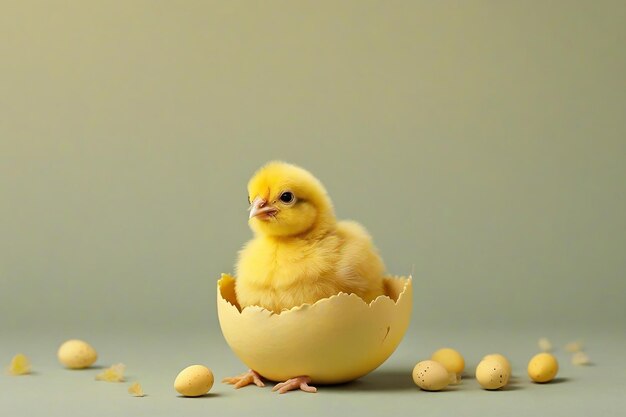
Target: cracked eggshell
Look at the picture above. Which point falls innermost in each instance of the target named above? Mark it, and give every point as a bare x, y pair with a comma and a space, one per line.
334, 340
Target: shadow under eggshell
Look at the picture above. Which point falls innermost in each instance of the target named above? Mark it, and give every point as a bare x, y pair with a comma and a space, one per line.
334, 340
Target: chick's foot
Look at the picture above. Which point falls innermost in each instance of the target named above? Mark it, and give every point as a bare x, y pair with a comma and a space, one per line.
247, 378
300, 382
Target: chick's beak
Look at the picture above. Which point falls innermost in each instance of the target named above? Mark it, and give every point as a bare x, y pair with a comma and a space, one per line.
260, 207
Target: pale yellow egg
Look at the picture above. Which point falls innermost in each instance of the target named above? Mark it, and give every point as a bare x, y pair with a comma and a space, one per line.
334, 340
492, 374
543, 367
77, 354
450, 359
194, 381
431, 376
500, 358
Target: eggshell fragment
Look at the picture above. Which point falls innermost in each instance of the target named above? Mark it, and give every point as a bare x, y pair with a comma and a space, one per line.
194, 381
454, 379
492, 374
500, 358
544, 344
113, 374
334, 340
573, 347
135, 390
77, 354
430, 376
580, 359
450, 359
20, 365
543, 367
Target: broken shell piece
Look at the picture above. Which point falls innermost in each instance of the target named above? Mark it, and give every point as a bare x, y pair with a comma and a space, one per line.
20, 365
545, 345
455, 379
573, 347
135, 390
580, 359
113, 374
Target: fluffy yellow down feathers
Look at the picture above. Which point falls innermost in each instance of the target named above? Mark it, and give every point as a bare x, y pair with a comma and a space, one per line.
300, 252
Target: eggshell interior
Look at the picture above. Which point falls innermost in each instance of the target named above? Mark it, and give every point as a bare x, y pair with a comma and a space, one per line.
334, 340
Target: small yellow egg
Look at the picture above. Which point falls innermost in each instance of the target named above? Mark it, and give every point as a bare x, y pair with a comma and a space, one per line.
450, 359
502, 359
430, 376
543, 367
194, 381
492, 374
77, 354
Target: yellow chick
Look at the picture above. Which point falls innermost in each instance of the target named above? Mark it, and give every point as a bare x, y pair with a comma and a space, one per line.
300, 252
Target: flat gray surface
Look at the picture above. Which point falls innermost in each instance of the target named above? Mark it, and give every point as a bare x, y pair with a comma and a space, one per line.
154, 360
480, 142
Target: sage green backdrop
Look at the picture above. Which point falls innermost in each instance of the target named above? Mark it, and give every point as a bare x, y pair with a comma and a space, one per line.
482, 143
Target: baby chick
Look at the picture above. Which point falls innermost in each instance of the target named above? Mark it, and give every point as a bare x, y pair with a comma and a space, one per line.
300, 252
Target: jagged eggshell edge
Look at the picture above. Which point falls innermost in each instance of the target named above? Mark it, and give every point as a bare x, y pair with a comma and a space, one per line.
334, 340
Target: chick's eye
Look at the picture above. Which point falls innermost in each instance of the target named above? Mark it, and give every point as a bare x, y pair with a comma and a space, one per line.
287, 197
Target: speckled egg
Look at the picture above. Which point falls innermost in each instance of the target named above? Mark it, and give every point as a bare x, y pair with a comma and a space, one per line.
543, 367
500, 358
431, 376
77, 354
194, 381
491, 374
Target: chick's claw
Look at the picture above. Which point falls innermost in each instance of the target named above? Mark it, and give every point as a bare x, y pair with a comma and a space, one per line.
301, 382
247, 378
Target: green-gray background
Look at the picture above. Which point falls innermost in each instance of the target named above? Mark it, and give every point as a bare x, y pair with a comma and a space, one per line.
481, 143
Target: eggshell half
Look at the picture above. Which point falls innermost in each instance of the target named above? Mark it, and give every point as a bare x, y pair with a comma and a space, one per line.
334, 340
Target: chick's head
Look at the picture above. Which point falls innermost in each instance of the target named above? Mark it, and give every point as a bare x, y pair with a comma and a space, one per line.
286, 200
